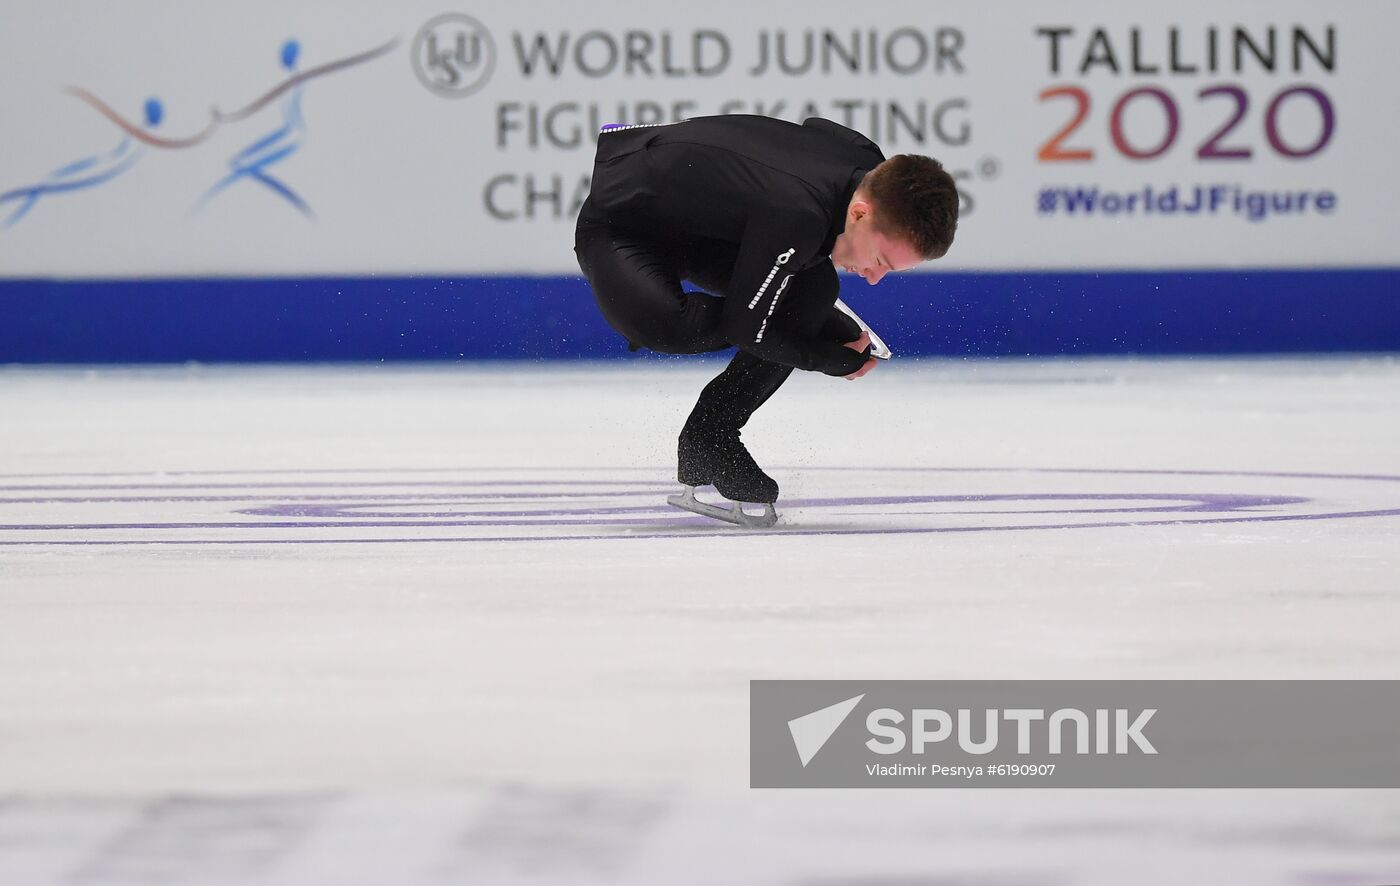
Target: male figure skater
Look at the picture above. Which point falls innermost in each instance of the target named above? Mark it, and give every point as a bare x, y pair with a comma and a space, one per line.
759, 212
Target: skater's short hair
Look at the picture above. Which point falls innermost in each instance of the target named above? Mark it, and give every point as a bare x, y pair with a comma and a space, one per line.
915, 200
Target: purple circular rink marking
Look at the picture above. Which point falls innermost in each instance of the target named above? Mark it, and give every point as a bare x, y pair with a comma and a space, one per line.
466, 504
564, 516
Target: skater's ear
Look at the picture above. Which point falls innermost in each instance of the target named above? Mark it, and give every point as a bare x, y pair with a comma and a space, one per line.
858, 209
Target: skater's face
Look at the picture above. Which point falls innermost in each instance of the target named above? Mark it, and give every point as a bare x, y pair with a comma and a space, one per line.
865, 250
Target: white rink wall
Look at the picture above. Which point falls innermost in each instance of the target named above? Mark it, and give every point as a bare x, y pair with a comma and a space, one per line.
466, 147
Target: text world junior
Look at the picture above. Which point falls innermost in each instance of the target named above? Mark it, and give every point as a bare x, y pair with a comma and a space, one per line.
709, 53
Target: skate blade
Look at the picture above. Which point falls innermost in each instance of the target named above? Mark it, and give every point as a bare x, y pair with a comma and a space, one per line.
878, 349
735, 513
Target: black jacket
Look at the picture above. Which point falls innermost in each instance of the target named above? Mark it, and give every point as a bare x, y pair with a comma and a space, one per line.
776, 190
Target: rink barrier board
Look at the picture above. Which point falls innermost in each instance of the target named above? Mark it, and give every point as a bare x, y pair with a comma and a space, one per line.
533, 318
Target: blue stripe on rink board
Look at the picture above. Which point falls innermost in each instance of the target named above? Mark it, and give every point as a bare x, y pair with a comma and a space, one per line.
964, 313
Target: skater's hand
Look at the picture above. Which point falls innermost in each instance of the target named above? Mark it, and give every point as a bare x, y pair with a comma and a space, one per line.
859, 346
869, 365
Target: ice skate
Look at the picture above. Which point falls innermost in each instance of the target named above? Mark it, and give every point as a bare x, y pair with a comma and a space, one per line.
734, 513
878, 349
722, 461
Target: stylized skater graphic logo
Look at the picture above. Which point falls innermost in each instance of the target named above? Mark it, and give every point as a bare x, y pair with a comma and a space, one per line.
82, 174
250, 163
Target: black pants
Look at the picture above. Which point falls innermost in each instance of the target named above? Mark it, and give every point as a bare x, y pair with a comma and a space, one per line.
637, 283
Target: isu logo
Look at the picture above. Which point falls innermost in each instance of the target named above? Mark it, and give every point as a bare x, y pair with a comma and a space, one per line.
453, 55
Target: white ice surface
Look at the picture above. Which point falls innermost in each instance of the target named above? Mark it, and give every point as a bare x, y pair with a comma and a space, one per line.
398, 704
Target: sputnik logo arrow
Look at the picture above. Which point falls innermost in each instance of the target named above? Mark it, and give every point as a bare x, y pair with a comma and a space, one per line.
811, 731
